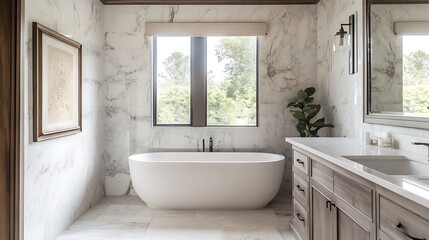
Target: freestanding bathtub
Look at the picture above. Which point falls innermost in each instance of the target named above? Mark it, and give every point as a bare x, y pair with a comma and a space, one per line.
196, 180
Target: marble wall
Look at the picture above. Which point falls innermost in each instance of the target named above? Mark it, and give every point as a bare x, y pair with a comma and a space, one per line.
343, 93
63, 177
287, 64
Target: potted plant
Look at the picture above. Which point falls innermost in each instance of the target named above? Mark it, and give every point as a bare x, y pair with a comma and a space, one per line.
305, 110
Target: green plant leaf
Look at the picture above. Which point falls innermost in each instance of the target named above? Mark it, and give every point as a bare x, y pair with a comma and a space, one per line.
302, 95
314, 134
301, 127
292, 104
307, 133
310, 91
319, 123
298, 115
303, 110
312, 110
299, 105
309, 100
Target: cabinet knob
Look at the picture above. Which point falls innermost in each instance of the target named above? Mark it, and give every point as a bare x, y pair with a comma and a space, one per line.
401, 228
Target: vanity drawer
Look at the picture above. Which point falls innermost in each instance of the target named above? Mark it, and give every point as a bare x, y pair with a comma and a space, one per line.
357, 195
300, 218
300, 188
396, 222
323, 175
300, 161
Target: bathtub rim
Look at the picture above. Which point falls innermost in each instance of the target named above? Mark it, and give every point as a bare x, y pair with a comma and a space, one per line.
279, 158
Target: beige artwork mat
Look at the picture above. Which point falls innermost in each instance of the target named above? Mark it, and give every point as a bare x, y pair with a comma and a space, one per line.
60, 98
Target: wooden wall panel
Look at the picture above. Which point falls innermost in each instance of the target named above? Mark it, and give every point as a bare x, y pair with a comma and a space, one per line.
10, 50
5, 76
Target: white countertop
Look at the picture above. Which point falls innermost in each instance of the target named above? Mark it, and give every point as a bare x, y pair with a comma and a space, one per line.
415, 188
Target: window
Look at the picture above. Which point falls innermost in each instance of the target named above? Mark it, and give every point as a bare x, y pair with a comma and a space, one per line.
173, 81
415, 78
205, 81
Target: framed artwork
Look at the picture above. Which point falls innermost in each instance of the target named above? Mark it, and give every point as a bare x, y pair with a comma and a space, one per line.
57, 84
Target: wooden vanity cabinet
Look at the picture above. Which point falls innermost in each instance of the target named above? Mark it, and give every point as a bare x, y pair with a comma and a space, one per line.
323, 218
332, 222
331, 203
301, 223
340, 204
400, 218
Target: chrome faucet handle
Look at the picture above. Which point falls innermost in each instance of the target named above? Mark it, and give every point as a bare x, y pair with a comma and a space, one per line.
422, 144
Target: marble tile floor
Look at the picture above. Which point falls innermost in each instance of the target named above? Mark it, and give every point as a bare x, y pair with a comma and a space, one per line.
128, 218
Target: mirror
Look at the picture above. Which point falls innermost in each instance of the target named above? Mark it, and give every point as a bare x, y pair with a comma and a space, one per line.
398, 63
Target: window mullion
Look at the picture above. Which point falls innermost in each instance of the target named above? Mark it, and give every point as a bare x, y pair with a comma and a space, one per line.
155, 80
198, 81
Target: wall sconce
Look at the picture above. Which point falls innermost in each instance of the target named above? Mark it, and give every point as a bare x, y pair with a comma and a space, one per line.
347, 41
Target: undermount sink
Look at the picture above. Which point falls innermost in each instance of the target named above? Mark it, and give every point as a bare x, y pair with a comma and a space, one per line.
392, 165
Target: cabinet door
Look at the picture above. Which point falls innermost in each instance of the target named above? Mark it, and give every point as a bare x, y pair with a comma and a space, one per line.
398, 222
323, 216
349, 229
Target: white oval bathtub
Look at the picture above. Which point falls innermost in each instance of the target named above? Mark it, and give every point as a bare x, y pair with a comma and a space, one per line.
195, 180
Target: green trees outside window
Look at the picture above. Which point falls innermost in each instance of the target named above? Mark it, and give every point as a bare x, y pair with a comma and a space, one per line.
416, 82
230, 78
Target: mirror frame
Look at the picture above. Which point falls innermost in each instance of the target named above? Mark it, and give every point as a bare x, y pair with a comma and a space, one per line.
379, 118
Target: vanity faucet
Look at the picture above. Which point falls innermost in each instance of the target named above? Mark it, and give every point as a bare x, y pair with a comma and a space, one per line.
423, 144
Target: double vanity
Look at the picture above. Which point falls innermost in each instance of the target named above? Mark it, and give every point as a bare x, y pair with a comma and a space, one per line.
343, 189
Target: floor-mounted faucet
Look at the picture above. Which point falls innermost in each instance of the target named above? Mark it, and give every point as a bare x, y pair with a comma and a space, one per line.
423, 144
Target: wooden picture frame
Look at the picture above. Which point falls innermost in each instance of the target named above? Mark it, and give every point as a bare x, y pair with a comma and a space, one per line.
57, 84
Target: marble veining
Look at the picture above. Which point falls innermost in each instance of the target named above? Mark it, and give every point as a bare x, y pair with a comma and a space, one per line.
287, 64
128, 218
340, 91
64, 177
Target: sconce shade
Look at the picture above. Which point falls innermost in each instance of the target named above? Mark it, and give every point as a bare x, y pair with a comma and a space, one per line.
347, 41
341, 41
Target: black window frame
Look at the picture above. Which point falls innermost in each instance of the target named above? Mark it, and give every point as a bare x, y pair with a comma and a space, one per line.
198, 75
